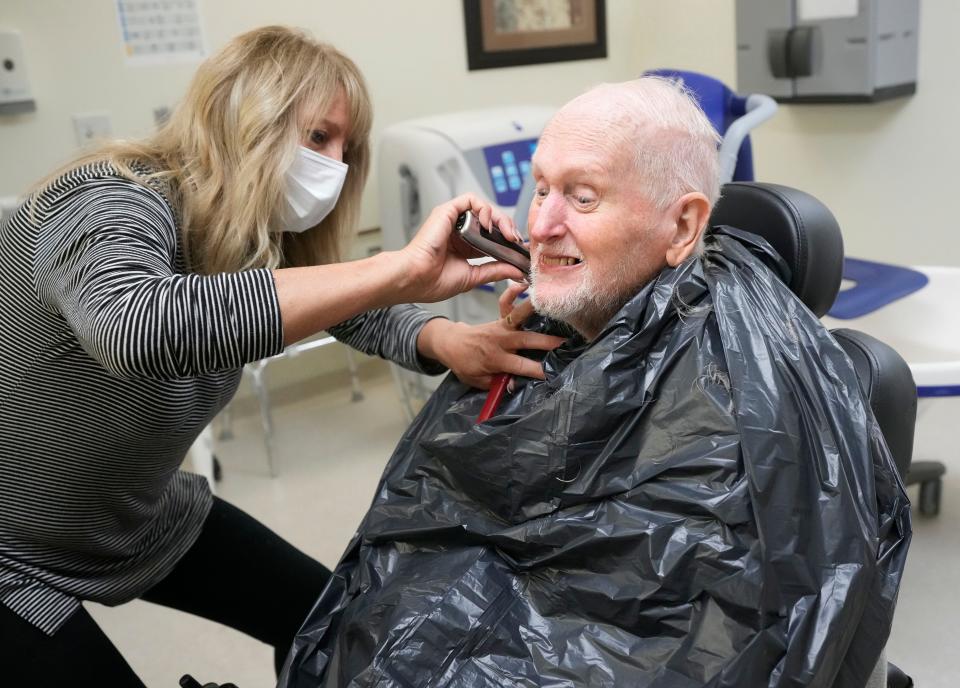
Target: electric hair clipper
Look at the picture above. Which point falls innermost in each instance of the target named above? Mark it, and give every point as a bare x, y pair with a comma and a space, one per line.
492, 243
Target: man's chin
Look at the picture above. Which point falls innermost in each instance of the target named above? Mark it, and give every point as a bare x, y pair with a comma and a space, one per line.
548, 303
586, 312
584, 318
589, 304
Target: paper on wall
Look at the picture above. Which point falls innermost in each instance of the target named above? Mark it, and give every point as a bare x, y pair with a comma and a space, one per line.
812, 10
160, 31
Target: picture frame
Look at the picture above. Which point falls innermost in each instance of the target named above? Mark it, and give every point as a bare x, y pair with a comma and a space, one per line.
508, 33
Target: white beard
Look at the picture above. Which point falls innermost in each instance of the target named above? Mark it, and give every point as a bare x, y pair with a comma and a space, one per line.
590, 304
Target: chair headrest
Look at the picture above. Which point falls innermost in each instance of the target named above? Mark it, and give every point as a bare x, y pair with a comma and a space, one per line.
798, 226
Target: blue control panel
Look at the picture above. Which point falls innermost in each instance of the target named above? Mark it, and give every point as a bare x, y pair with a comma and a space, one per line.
509, 166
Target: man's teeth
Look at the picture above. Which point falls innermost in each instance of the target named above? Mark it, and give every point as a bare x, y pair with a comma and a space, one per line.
565, 260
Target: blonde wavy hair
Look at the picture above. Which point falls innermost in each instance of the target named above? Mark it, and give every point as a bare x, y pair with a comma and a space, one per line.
225, 149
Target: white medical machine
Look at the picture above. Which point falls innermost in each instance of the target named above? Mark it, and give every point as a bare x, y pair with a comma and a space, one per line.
425, 162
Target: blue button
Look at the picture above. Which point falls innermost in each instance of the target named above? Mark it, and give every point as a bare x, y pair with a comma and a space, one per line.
524, 167
496, 172
508, 158
512, 171
514, 182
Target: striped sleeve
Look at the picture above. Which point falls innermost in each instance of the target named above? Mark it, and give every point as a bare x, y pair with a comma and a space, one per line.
106, 262
390, 333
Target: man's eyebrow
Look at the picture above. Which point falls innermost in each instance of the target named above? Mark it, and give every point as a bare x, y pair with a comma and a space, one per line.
594, 170
579, 172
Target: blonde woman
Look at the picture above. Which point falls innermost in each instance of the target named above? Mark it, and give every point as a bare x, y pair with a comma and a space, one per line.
136, 283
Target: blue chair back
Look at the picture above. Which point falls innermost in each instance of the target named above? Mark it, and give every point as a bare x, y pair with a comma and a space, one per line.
722, 106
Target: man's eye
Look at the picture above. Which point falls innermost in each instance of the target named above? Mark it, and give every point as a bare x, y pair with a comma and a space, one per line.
585, 200
541, 192
318, 137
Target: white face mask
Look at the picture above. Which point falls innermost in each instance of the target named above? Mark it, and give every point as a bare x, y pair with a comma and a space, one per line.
314, 182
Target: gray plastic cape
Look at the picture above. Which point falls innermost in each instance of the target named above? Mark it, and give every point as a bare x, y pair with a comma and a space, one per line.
699, 497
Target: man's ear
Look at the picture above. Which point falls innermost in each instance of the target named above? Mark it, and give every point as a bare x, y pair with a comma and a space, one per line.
690, 213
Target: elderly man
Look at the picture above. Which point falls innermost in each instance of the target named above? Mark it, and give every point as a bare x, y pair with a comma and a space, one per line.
626, 177
687, 499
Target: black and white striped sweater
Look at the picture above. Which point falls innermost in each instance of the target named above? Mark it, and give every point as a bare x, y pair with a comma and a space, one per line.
113, 358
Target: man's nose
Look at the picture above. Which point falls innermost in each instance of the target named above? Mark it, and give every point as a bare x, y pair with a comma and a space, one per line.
546, 219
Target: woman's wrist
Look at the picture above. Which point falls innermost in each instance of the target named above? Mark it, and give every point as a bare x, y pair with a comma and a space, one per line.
387, 271
431, 342
400, 280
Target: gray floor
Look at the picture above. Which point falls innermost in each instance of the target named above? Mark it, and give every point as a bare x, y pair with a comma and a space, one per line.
330, 454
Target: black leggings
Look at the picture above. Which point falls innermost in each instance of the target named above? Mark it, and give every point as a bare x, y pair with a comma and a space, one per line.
238, 573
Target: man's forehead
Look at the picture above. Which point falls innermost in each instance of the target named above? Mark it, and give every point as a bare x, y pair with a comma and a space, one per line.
577, 147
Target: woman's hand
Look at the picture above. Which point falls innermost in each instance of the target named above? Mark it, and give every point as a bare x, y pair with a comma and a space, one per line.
434, 262
475, 353
432, 267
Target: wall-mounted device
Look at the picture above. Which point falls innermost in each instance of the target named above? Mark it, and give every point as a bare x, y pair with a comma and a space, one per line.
8, 206
15, 96
827, 51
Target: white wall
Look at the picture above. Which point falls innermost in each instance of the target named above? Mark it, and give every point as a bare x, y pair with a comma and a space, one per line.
884, 169
888, 170
413, 53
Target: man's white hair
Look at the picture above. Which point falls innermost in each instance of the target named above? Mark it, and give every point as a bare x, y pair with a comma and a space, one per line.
675, 145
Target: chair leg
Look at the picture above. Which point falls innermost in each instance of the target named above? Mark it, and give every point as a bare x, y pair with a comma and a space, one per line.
930, 492
356, 393
225, 421
403, 390
257, 371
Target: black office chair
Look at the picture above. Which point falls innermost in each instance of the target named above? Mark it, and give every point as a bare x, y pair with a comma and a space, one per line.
805, 233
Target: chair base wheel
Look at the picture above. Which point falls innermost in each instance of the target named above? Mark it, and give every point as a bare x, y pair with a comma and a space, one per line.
930, 497
896, 678
927, 474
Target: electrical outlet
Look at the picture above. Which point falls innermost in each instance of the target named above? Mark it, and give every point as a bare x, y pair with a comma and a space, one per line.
91, 127
161, 115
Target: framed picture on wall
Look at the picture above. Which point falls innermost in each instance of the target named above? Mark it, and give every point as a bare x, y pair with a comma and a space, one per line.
505, 33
